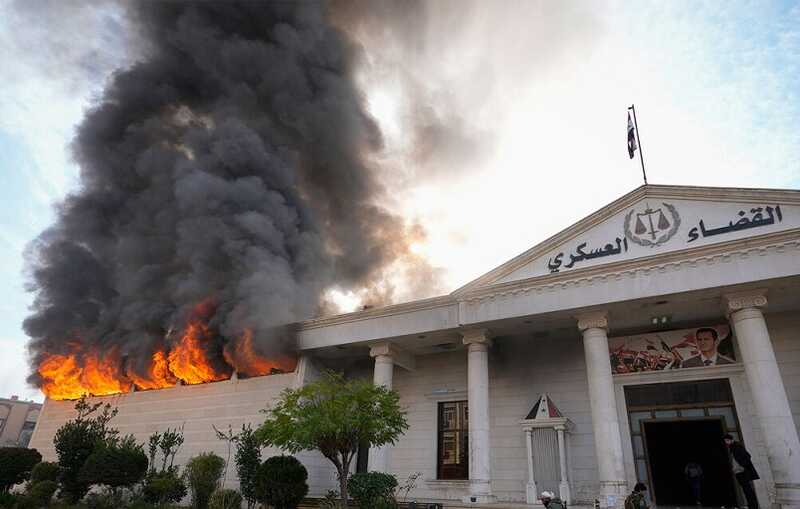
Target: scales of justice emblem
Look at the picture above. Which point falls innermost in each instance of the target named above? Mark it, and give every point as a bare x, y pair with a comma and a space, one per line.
652, 227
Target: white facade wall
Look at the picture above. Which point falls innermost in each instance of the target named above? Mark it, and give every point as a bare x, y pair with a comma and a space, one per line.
518, 374
197, 408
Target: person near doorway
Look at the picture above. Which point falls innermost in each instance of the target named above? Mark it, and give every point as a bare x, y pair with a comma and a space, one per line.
706, 339
637, 499
550, 501
743, 470
694, 476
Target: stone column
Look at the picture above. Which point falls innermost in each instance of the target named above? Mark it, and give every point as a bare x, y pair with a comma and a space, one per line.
480, 461
563, 486
769, 395
531, 496
384, 369
605, 424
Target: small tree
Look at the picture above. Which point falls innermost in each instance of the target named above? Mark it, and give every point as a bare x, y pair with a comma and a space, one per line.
334, 415
76, 440
203, 473
248, 459
164, 486
229, 438
171, 441
16, 464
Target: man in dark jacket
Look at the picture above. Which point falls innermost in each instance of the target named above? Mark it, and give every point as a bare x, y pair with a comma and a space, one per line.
743, 469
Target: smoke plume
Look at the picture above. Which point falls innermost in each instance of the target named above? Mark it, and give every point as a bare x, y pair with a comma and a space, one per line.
227, 177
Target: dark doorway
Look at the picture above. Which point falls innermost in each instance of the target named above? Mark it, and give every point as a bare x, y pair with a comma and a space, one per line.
673, 444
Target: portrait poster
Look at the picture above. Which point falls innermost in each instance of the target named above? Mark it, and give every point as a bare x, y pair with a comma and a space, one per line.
687, 348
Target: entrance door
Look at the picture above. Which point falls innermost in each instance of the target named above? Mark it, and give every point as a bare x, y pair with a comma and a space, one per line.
671, 445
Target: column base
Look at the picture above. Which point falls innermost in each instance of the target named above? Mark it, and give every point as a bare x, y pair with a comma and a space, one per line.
479, 499
480, 492
787, 494
564, 492
531, 496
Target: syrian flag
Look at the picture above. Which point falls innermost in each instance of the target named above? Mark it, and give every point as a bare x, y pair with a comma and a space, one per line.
631, 138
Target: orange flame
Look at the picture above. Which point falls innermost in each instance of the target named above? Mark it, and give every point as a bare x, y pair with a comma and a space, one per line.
65, 377
188, 360
71, 375
242, 356
159, 375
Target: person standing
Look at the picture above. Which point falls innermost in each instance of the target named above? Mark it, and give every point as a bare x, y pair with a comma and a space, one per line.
743, 470
694, 476
550, 501
637, 500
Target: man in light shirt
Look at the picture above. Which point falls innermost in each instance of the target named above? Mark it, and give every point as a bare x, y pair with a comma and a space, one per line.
707, 340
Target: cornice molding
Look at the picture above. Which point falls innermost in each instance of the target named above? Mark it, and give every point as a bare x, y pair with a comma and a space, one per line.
743, 300
690, 193
396, 309
674, 260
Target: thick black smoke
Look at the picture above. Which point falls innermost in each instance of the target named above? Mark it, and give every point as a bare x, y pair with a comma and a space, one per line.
229, 164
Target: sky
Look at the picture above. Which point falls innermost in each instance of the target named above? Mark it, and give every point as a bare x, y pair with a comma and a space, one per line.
503, 122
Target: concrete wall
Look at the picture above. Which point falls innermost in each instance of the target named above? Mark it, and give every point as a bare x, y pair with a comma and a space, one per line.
197, 408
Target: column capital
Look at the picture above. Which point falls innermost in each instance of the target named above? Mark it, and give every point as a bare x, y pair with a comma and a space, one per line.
593, 320
476, 336
399, 356
742, 300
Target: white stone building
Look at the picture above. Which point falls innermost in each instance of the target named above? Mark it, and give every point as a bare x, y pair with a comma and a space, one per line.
614, 352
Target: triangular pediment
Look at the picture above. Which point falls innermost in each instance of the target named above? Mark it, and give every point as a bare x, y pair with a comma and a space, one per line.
653, 220
544, 409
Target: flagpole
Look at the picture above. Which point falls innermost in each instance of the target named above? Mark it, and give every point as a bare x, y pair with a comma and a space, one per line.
639, 141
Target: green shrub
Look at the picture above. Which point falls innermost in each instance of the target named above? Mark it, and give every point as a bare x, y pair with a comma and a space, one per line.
225, 499
116, 465
44, 471
16, 464
281, 482
162, 488
371, 489
40, 493
8, 500
203, 473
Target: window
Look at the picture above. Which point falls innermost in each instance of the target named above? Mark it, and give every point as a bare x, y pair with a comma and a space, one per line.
453, 441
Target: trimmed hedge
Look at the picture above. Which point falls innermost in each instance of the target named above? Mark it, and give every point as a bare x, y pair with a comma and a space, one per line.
372, 489
281, 482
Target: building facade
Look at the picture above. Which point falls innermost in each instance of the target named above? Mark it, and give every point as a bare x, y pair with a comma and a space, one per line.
615, 352
17, 421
